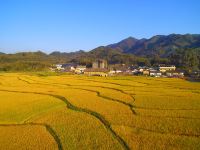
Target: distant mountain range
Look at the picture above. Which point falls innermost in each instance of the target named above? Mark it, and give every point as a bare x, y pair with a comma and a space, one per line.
176, 49
180, 50
160, 44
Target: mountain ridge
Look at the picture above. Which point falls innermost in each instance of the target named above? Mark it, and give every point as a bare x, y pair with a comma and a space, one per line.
161, 45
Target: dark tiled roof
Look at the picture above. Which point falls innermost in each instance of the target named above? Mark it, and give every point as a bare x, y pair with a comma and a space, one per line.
163, 65
155, 72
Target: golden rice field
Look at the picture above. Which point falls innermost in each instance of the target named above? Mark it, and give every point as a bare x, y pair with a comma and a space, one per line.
69, 112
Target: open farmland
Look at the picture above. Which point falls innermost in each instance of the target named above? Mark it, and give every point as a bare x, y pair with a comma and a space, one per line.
79, 112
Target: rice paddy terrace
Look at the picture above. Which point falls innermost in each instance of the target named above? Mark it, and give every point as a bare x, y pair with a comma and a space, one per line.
79, 112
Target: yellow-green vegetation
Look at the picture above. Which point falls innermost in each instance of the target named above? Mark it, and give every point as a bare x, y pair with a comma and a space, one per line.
26, 137
18, 107
81, 112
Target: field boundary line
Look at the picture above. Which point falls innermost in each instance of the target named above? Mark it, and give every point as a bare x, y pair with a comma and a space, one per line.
171, 109
98, 94
47, 127
160, 132
84, 110
169, 117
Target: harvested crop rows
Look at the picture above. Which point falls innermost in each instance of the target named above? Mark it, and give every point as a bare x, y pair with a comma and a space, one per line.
79, 112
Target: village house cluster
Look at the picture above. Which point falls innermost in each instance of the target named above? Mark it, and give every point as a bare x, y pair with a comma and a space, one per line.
100, 67
160, 71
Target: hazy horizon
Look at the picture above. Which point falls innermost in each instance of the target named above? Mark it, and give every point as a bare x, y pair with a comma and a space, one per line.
67, 26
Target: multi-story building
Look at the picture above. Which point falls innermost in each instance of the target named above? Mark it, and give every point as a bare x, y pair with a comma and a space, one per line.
100, 63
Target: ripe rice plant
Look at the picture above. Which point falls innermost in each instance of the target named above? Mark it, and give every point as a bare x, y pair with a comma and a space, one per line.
26, 137
82, 112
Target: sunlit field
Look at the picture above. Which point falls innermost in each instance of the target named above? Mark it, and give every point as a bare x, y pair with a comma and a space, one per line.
38, 111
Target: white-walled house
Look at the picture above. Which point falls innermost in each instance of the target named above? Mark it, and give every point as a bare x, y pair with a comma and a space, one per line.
155, 73
80, 69
174, 73
164, 68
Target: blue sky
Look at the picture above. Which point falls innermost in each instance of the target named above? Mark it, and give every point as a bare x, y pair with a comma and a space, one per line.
70, 25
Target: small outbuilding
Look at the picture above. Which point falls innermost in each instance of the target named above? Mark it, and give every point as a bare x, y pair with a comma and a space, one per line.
178, 74
155, 73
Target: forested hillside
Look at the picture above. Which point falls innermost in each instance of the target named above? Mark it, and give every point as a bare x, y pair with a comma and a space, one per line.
180, 50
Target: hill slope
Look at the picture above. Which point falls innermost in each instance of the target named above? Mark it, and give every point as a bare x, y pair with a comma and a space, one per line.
160, 45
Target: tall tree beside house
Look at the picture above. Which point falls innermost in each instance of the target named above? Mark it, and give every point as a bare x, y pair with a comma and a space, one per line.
176, 58
188, 59
191, 60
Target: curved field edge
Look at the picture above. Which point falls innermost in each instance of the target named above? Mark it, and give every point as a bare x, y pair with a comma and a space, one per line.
79, 130
138, 138
19, 107
84, 110
25, 136
184, 134
132, 107
146, 115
